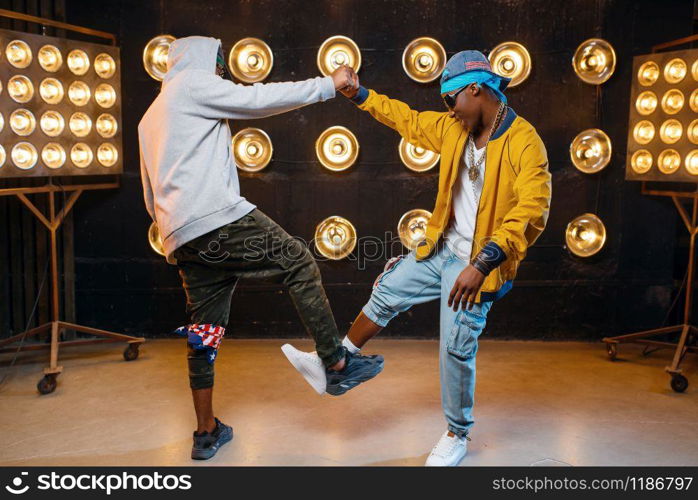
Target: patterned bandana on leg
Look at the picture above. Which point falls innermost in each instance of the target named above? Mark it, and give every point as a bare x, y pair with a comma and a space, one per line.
203, 337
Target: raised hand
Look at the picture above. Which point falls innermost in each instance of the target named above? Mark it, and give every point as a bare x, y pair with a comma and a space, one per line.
346, 81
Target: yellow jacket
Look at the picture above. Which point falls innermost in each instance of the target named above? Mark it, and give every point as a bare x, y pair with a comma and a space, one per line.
515, 199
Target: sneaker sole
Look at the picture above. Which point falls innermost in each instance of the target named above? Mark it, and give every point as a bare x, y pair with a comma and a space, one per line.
290, 353
209, 452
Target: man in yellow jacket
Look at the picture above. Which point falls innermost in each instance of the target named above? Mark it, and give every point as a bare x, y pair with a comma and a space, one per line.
492, 204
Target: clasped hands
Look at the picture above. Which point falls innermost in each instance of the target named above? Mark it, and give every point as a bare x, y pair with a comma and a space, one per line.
346, 81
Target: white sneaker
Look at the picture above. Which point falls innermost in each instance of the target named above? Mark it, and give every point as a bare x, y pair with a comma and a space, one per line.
448, 452
309, 365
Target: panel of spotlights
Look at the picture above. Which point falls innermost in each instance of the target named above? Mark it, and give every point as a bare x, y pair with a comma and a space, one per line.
60, 107
663, 123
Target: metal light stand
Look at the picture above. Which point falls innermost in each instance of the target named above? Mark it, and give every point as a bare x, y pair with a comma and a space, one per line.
53, 222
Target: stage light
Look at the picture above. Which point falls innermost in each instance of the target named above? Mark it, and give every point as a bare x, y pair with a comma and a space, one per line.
155, 56
50, 58
672, 101
337, 148
646, 103
106, 125
155, 239
78, 62
669, 161
692, 132
412, 227
81, 155
2, 122
585, 235
417, 158
648, 73
250, 60
18, 54
20, 88
22, 122
53, 155
105, 95
104, 65
335, 237
643, 132
675, 70
423, 59
80, 124
693, 101
512, 60
52, 123
641, 161
670, 131
591, 151
79, 93
252, 149
691, 162
338, 50
24, 155
107, 155
51, 90
594, 61
2, 156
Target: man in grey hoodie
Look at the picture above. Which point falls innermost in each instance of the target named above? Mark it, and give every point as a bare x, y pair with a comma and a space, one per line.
213, 234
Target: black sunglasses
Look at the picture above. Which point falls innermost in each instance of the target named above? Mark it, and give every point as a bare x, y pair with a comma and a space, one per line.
450, 99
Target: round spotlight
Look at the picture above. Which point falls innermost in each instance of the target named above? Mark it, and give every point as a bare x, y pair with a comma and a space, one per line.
694, 70
20, 88
155, 56
585, 235
641, 161
691, 133
79, 93
24, 155
105, 95
2, 156
423, 59
52, 123
80, 124
412, 227
646, 102
252, 149
104, 65
2, 122
672, 101
78, 62
511, 60
250, 60
107, 154
81, 155
670, 131
416, 158
18, 54
675, 70
693, 101
337, 148
594, 61
648, 73
106, 125
691, 162
22, 122
155, 239
50, 58
335, 237
53, 155
643, 133
590, 151
51, 90
338, 50
669, 161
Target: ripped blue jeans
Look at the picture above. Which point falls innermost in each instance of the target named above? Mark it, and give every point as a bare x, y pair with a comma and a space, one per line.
406, 282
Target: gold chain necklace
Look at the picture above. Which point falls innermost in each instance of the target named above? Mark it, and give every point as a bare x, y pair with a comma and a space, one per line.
474, 169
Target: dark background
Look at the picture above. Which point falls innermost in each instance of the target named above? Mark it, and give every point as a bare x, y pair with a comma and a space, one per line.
121, 284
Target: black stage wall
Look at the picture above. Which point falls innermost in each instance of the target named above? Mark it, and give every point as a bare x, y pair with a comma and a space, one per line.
123, 285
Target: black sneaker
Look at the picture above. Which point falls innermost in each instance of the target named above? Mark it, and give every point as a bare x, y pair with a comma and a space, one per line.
206, 445
358, 369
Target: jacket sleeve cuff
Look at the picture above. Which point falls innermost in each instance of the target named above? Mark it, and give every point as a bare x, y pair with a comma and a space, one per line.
327, 90
360, 96
492, 254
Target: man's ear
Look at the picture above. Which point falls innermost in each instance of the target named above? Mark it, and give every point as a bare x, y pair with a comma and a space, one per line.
475, 89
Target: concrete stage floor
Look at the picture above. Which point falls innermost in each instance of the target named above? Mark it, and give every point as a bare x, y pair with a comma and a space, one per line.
549, 403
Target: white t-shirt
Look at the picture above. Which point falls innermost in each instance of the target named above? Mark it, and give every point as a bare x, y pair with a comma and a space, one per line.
466, 198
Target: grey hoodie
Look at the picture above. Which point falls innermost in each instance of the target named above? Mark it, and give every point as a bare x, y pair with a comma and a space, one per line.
190, 181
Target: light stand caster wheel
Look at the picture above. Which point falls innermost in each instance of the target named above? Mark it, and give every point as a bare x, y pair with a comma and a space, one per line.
47, 384
679, 383
131, 352
612, 351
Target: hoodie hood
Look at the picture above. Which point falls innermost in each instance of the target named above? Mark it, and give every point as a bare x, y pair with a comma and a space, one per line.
192, 52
